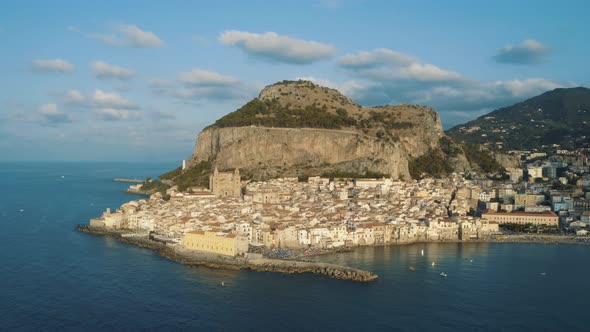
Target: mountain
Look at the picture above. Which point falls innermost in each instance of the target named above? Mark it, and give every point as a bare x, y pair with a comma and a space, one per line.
297, 128
560, 116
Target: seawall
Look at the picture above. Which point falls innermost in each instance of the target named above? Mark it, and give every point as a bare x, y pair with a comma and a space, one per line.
218, 262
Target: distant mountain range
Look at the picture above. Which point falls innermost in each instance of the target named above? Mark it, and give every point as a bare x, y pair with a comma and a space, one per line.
560, 116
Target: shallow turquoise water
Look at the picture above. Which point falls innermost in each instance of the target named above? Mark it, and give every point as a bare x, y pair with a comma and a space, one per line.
54, 278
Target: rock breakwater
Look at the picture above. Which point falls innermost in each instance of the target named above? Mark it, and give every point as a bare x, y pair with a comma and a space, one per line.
186, 257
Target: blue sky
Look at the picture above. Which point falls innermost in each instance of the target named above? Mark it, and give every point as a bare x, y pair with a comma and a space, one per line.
137, 80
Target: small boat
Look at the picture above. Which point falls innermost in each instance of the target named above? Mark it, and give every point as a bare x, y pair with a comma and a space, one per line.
433, 263
63, 177
422, 252
471, 261
222, 283
411, 268
21, 210
442, 274
543, 273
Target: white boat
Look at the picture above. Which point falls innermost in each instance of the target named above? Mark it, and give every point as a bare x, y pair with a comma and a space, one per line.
442, 274
222, 283
543, 273
433, 263
422, 252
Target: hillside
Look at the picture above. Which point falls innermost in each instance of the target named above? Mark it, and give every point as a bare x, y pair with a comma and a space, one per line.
297, 128
560, 116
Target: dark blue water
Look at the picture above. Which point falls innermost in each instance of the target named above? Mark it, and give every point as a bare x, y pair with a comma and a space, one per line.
53, 278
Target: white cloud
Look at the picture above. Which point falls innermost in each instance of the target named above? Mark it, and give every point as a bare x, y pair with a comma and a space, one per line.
347, 88
390, 77
388, 65
375, 57
52, 114
206, 78
53, 66
73, 97
104, 70
103, 99
529, 51
276, 47
129, 35
209, 92
116, 114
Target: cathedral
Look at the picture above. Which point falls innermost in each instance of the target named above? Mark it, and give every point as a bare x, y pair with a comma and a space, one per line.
225, 184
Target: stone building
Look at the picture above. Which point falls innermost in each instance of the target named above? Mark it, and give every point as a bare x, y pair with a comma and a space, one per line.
215, 242
225, 184
545, 218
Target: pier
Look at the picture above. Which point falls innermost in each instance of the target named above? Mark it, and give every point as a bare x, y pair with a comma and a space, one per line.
128, 180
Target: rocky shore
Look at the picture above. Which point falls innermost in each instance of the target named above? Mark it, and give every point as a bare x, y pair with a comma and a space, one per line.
176, 253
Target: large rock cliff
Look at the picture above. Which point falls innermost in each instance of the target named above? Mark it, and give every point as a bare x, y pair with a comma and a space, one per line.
272, 152
298, 128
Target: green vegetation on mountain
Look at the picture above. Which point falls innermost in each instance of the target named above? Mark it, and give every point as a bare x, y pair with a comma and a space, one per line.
481, 157
560, 116
196, 176
270, 113
172, 174
154, 186
431, 164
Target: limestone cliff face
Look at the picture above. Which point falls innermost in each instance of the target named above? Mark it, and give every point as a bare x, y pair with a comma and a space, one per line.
293, 151
367, 139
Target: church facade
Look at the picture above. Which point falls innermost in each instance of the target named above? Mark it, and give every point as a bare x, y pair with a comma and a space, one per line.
225, 184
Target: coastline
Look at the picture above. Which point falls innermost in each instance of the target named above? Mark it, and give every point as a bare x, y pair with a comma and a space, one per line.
254, 264
294, 262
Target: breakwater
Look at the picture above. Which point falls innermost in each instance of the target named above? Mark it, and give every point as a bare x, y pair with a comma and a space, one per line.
128, 180
241, 263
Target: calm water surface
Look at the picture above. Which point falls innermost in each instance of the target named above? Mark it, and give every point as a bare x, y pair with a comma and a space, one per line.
53, 278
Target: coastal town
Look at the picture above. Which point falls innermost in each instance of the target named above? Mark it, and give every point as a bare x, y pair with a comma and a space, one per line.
233, 217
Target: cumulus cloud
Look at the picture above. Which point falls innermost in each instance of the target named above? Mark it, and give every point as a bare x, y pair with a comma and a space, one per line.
104, 70
50, 113
389, 77
203, 84
206, 78
53, 66
276, 47
73, 97
103, 99
129, 35
116, 114
376, 57
211, 92
348, 88
529, 51
389, 65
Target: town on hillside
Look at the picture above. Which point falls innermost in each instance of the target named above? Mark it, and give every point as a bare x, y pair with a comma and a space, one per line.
232, 216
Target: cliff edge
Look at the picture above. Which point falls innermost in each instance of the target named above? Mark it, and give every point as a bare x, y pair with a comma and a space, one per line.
296, 128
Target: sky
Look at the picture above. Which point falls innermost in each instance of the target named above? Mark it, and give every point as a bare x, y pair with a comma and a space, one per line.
138, 80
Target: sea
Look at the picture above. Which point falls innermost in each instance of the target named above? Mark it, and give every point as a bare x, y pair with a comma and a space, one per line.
53, 278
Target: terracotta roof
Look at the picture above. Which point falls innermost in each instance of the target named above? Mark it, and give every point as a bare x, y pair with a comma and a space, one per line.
525, 214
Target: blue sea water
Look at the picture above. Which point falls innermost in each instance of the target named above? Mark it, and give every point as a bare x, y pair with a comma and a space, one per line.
54, 278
